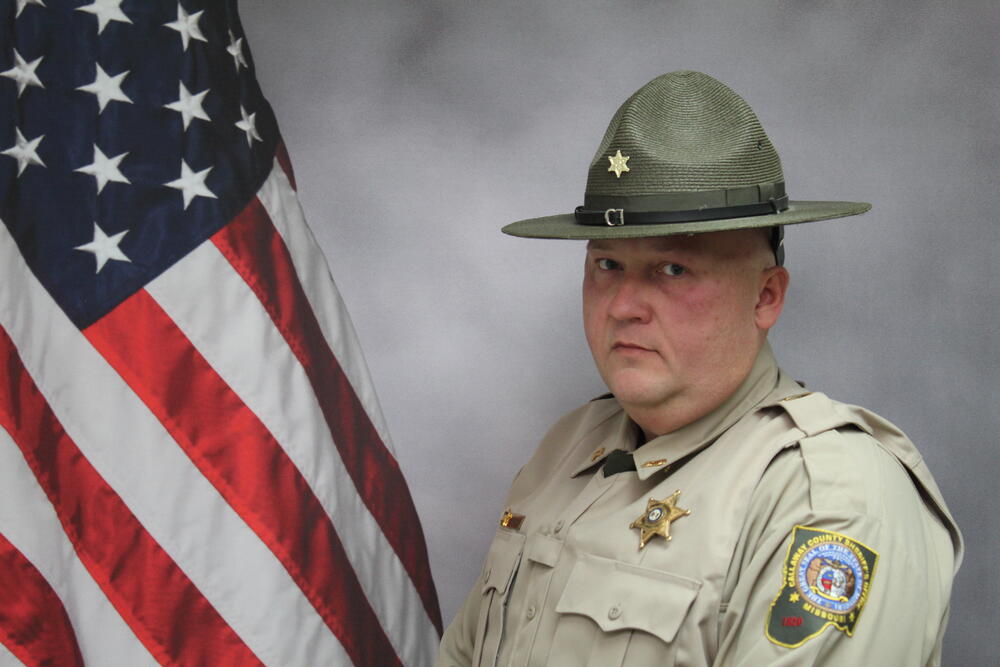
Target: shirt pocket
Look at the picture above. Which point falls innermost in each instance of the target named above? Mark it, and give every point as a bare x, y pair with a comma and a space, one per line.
609, 609
499, 571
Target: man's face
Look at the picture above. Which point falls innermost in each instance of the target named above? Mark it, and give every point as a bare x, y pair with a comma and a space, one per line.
675, 323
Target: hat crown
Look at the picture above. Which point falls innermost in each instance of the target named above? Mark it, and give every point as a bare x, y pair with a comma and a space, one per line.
683, 132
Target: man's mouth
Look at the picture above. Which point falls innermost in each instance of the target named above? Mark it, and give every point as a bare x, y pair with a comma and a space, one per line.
625, 346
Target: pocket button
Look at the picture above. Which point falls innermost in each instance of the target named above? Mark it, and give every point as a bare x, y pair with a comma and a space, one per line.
614, 612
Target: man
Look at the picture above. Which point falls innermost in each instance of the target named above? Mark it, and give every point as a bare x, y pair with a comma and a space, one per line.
710, 510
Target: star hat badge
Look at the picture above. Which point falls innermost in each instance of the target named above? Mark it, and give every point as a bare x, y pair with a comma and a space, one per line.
618, 163
657, 518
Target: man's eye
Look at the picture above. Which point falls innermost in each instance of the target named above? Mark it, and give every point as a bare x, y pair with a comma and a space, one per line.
605, 264
672, 269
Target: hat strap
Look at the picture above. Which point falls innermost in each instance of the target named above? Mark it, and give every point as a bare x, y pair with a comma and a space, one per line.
674, 207
614, 217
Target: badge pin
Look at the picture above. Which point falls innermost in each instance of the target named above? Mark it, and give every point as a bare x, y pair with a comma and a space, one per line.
657, 518
510, 520
618, 163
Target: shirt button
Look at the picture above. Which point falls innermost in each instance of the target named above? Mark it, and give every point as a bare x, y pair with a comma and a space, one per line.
531, 612
559, 525
614, 612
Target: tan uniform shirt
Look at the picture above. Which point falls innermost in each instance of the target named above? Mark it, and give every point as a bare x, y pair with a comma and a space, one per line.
867, 583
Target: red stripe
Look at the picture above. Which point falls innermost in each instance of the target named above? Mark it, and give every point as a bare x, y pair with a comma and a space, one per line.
34, 625
258, 253
160, 604
241, 458
281, 155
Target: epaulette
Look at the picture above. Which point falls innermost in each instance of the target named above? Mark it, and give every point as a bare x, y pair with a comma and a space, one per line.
814, 412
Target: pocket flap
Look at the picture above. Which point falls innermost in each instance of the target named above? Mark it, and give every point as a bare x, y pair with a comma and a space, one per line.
620, 596
543, 549
502, 560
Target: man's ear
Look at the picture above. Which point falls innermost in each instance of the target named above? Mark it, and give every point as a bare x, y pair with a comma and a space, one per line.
770, 297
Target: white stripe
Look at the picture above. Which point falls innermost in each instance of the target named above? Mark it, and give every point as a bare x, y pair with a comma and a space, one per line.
282, 204
29, 522
232, 328
232, 568
7, 658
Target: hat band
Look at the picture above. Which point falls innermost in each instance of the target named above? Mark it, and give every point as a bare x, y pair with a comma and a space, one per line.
677, 207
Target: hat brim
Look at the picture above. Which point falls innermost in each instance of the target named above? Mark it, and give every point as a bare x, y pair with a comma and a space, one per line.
565, 226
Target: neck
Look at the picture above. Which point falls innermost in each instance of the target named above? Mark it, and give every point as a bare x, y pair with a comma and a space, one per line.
680, 413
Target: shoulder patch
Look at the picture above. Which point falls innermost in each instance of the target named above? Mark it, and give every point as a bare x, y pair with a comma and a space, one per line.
826, 578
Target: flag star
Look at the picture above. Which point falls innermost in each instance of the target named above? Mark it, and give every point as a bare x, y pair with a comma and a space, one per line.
105, 169
191, 183
187, 25
105, 11
107, 88
25, 152
24, 73
21, 4
248, 125
105, 247
189, 105
235, 49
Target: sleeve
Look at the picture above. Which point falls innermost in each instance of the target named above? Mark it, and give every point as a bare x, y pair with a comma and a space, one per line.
458, 641
840, 563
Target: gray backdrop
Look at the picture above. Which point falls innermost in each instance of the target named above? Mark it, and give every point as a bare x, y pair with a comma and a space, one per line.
418, 129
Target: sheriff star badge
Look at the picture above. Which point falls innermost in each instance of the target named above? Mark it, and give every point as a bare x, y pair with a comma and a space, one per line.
657, 518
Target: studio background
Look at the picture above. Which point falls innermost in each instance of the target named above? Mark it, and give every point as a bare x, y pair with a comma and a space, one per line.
418, 129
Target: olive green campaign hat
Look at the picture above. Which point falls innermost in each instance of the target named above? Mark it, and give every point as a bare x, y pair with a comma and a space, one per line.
684, 155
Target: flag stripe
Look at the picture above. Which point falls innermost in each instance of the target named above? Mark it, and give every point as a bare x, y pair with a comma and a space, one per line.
34, 625
29, 521
283, 159
282, 205
165, 610
234, 327
258, 253
238, 455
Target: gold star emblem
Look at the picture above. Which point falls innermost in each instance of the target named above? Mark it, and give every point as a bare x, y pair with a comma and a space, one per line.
794, 597
657, 518
618, 163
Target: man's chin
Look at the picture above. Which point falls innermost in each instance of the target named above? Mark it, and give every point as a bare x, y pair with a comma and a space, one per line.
639, 392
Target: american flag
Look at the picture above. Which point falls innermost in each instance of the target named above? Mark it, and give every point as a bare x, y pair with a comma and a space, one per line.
193, 466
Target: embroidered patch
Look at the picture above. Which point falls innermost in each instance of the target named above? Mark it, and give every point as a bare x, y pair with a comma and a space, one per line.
825, 581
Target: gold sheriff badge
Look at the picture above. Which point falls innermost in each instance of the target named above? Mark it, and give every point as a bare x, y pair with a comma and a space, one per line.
657, 518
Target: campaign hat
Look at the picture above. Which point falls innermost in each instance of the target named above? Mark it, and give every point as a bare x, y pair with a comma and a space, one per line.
683, 155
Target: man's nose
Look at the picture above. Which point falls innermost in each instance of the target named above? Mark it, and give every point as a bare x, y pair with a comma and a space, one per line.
631, 300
